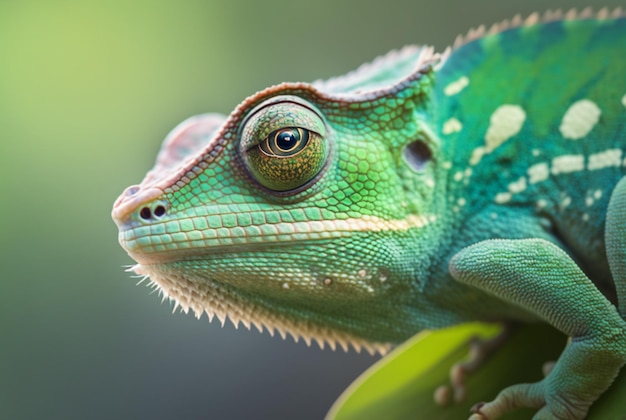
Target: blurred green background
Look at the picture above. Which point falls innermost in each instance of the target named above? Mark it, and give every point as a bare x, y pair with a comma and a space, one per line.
87, 91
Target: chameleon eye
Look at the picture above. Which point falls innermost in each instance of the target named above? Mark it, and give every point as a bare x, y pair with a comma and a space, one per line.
283, 146
287, 159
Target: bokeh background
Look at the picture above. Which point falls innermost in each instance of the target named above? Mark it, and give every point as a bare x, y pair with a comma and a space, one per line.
87, 91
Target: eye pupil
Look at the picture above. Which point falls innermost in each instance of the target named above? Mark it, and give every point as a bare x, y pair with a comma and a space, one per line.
287, 139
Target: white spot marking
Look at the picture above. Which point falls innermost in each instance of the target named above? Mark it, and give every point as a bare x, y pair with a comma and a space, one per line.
362, 273
517, 186
493, 216
502, 198
545, 223
477, 155
285, 286
538, 172
567, 163
536, 152
505, 122
585, 217
579, 119
452, 126
457, 86
447, 165
541, 203
328, 281
467, 173
597, 194
566, 202
612, 157
589, 201
461, 201
624, 100
382, 277
458, 176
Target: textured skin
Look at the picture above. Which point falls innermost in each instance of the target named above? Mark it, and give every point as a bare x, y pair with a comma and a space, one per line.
428, 190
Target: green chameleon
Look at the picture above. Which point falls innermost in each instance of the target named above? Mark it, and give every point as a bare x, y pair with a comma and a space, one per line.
419, 191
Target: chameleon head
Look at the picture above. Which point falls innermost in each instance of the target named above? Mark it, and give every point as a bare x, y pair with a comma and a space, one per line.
292, 213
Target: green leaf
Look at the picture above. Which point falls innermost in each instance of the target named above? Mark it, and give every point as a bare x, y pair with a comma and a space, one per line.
401, 385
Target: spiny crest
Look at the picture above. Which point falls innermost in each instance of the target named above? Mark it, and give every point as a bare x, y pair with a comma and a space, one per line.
536, 19
416, 58
209, 299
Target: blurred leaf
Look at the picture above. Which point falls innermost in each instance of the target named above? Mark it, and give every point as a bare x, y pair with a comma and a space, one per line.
401, 385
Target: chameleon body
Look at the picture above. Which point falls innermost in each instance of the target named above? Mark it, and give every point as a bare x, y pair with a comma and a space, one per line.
417, 192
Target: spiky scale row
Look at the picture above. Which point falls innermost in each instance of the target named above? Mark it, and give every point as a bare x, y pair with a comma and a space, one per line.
309, 333
535, 19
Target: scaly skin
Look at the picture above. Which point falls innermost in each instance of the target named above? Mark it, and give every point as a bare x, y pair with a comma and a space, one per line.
417, 192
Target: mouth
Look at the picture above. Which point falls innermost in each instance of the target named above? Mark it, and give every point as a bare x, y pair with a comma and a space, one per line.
150, 256
188, 238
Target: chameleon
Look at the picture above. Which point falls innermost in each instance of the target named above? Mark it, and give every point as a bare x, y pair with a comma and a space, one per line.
421, 190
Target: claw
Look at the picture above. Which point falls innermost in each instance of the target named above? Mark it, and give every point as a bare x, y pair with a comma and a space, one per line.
443, 395
547, 367
479, 351
476, 414
476, 408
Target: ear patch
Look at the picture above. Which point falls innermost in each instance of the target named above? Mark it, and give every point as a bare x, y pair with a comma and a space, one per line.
417, 154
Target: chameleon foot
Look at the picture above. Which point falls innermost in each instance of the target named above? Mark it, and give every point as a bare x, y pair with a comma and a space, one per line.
479, 351
597, 348
536, 395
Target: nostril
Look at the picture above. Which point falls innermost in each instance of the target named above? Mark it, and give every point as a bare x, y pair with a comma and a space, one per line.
145, 213
159, 211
